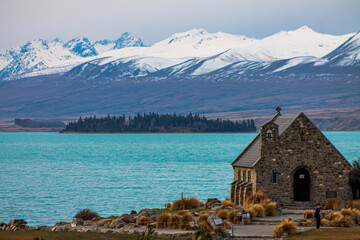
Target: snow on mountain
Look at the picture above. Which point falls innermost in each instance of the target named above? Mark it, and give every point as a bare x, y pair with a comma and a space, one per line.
347, 53
125, 40
195, 52
81, 46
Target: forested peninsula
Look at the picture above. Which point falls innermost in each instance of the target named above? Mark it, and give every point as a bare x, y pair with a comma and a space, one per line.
158, 123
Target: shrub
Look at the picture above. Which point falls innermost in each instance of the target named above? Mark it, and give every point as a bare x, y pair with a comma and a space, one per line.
186, 219
251, 211
86, 214
333, 204
325, 222
203, 233
227, 224
308, 214
232, 217
271, 209
174, 221
256, 198
143, 221
332, 216
259, 210
168, 205
286, 226
342, 221
186, 203
227, 203
203, 217
223, 214
347, 212
354, 204
163, 220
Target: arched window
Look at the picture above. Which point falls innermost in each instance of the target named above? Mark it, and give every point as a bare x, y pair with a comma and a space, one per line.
274, 177
269, 135
249, 176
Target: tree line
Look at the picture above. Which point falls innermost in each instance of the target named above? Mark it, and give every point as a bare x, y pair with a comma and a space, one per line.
155, 122
28, 123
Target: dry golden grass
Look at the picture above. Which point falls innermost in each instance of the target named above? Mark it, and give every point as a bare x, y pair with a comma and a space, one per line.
232, 217
203, 217
271, 208
325, 222
251, 211
285, 227
223, 214
332, 216
186, 219
346, 212
256, 198
259, 210
143, 221
354, 204
333, 204
168, 205
342, 221
227, 203
247, 221
174, 222
308, 214
163, 220
227, 224
186, 203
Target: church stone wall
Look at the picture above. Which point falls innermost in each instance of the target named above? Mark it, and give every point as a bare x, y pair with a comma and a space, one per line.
301, 145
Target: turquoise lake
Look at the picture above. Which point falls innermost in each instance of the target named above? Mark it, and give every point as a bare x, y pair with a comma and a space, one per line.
48, 177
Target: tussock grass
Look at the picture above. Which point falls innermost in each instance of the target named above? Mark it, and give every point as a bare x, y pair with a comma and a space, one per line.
143, 221
232, 217
346, 212
163, 220
227, 224
342, 221
86, 214
256, 198
325, 222
251, 210
186, 203
271, 208
227, 203
186, 219
259, 210
182, 212
174, 222
203, 217
354, 204
332, 216
308, 214
285, 227
333, 204
223, 214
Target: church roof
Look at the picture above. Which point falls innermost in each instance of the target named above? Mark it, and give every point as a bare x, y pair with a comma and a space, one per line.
251, 154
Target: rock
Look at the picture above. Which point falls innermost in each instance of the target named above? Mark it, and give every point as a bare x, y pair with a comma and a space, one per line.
229, 209
42, 228
18, 224
77, 222
61, 223
130, 225
154, 215
127, 218
212, 202
117, 223
103, 221
107, 225
143, 214
133, 212
4, 227
144, 209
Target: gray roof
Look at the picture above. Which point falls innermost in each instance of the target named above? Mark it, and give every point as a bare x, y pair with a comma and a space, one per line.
251, 154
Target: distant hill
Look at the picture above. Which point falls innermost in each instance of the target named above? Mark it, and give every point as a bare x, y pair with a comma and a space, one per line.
27, 123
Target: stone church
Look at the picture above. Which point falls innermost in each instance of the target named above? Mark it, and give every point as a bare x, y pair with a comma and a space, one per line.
293, 163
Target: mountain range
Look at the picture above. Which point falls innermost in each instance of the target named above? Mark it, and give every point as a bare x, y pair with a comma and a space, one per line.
210, 73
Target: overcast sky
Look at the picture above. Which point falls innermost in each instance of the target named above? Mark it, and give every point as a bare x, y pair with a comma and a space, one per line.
154, 20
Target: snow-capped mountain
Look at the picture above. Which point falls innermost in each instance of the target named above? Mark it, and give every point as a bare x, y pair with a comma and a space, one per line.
81, 46
193, 53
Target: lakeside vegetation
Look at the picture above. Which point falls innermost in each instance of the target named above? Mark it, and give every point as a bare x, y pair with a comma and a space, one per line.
155, 122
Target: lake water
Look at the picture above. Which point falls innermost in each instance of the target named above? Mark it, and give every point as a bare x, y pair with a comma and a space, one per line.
48, 177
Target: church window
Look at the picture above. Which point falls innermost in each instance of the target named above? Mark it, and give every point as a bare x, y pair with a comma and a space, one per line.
249, 176
274, 177
269, 135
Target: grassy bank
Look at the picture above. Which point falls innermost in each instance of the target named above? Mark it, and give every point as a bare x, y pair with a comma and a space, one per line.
328, 234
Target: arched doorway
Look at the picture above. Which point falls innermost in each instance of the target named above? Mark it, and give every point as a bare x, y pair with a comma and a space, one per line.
302, 185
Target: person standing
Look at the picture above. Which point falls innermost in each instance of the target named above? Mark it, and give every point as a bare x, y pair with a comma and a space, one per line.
317, 217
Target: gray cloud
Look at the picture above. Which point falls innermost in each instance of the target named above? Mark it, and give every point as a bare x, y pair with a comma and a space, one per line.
154, 20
